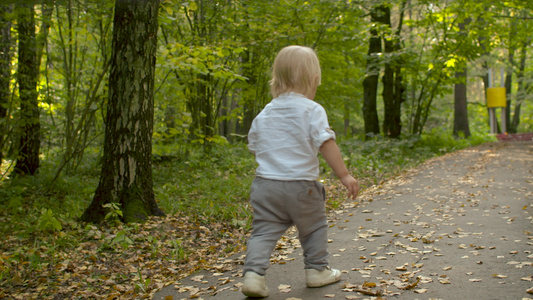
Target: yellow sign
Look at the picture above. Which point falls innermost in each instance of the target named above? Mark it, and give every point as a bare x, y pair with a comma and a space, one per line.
496, 97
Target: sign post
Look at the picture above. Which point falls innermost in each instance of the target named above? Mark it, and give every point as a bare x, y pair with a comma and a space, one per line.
496, 98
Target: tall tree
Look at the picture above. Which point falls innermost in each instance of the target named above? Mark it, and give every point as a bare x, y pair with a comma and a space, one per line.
460, 121
393, 87
5, 71
370, 83
522, 92
126, 176
28, 155
510, 70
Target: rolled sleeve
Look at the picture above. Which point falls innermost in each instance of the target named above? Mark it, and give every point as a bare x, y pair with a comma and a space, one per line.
320, 131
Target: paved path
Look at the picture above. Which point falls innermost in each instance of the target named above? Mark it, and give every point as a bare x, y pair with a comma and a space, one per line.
457, 227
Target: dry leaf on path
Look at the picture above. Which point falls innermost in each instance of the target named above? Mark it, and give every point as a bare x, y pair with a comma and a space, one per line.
402, 268
284, 288
444, 281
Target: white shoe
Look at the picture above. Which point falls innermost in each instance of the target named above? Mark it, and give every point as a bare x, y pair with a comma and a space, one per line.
316, 278
254, 285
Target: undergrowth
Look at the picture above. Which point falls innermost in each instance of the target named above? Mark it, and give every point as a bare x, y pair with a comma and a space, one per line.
212, 184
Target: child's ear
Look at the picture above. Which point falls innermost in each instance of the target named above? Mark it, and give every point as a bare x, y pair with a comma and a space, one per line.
317, 80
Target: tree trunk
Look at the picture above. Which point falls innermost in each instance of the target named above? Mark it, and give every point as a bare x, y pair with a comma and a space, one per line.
484, 43
508, 89
370, 83
126, 176
522, 92
28, 156
509, 74
5, 72
460, 120
393, 88
388, 79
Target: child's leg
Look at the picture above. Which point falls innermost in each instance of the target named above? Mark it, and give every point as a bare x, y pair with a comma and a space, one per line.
309, 215
269, 224
261, 244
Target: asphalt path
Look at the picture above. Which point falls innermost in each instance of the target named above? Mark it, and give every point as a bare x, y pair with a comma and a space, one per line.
459, 226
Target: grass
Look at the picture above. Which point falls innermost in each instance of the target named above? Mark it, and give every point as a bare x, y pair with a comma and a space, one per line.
202, 190
213, 185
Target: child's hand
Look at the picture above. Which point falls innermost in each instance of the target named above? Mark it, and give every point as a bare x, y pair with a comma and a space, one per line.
352, 185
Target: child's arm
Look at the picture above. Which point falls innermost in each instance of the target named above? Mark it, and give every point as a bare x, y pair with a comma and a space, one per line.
331, 153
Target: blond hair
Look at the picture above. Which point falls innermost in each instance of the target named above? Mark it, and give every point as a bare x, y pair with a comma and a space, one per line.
295, 69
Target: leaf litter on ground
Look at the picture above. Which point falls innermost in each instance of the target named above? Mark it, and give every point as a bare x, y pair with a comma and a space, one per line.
159, 252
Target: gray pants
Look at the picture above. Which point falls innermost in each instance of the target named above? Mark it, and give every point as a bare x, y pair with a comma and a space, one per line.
277, 206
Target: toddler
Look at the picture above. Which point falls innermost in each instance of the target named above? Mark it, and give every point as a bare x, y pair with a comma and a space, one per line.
285, 139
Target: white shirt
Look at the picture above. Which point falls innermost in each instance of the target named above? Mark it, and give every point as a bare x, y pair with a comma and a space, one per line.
286, 136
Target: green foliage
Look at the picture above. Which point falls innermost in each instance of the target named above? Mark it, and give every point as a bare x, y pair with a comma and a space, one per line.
143, 283
177, 253
114, 214
215, 184
122, 239
48, 222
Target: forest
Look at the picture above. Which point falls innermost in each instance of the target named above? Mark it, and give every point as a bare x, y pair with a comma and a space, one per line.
123, 158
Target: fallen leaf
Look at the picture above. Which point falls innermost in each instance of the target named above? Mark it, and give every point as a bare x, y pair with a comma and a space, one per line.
412, 285
284, 288
420, 291
368, 292
444, 281
402, 268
